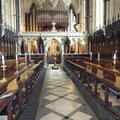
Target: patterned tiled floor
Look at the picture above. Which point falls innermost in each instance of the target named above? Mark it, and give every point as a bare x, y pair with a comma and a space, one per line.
60, 100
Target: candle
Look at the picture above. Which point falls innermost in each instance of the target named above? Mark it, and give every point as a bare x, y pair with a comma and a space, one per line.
115, 57
16, 58
98, 57
3, 60
90, 55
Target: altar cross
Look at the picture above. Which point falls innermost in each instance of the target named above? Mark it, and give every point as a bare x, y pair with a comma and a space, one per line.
53, 23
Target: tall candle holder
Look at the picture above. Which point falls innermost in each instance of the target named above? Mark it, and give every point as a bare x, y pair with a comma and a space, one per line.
98, 58
91, 54
25, 57
115, 58
17, 63
4, 69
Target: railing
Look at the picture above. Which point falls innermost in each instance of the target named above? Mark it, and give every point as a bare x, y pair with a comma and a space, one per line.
102, 82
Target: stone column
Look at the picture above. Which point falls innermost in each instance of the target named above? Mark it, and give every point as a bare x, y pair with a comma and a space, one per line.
31, 26
9, 17
82, 16
1, 21
105, 7
12, 14
2, 18
25, 22
94, 15
108, 11
71, 17
17, 16
111, 10
34, 25
1, 25
86, 14
62, 57
20, 14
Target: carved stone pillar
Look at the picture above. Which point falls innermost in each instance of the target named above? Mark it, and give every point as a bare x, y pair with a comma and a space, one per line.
105, 12
31, 21
34, 20
26, 22
0, 18
82, 16
94, 15
17, 16
108, 11
86, 14
71, 18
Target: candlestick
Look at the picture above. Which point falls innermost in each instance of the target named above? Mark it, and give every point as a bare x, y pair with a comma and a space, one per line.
16, 58
17, 64
3, 66
98, 58
3, 60
91, 56
25, 57
115, 57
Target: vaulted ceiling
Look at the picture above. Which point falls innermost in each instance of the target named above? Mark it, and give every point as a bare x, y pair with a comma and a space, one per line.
27, 3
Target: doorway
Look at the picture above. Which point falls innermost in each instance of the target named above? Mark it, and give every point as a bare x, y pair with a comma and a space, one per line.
54, 52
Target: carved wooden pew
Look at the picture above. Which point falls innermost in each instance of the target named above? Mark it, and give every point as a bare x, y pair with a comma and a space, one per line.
14, 92
93, 75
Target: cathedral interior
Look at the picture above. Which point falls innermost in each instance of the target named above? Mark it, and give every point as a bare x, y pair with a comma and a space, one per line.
59, 59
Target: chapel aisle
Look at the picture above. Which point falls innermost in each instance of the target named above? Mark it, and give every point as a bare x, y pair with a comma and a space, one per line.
60, 99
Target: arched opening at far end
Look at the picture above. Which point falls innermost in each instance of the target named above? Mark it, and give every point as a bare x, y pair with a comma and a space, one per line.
54, 52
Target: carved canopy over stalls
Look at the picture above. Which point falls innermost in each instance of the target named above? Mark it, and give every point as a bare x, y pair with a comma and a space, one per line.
107, 41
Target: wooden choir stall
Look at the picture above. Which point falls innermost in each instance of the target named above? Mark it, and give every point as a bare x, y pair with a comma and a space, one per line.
101, 76
20, 77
